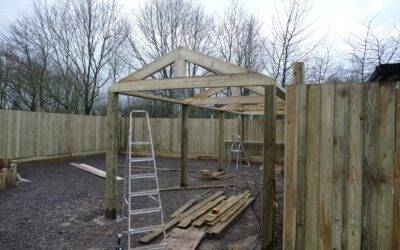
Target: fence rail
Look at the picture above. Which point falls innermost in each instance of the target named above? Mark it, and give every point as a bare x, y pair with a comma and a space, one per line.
38, 134
342, 167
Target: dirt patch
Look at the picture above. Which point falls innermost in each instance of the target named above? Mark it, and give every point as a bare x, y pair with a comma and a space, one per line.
62, 207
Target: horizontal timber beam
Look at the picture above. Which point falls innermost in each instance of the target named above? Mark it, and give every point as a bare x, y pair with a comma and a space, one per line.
166, 99
209, 92
228, 100
228, 80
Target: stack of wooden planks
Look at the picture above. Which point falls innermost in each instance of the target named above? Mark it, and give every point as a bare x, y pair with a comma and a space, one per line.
8, 173
213, 215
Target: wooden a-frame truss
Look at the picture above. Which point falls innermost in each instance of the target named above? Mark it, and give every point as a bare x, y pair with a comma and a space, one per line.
226, 76
261, 101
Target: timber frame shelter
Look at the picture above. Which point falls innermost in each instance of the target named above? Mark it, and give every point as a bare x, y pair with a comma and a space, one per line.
260, 101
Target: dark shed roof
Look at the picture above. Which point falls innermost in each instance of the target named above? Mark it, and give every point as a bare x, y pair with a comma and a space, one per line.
386, 73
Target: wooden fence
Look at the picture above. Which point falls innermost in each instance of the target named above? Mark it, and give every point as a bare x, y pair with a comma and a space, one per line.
342, 176
203, 135
37, 135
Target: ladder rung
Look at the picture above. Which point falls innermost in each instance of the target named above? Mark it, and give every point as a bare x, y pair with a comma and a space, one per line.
140, 143
144, 229
142, 159
144, 192
158, 246
146, 210
141, 176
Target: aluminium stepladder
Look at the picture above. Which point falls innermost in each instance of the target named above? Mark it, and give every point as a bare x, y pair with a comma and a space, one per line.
150, 193
236, 150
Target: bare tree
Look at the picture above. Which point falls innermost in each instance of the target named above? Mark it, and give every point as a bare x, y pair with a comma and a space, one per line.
161, 26
289, 38
320, 65
372, 46
239, 40
27, 54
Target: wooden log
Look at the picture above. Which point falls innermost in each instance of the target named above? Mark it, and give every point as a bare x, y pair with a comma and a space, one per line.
184, 144
92, 170
268, 215
111, 156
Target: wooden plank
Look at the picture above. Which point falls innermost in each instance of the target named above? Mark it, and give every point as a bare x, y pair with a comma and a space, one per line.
370, 173
299, 166
210, 63
326, 167
92, 170
111, 156
184, 144
340, 159
187, 239
219, 228
396, 212
184, 223
151, 236
146, 239
213, 81
289, 219
355, 166
207, 93
184, 207
227, 100
268, 215
180, 67
298, 73
386, 132
154, 66
312, 166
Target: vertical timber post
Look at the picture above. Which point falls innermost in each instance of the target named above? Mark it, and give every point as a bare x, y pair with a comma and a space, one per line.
221, 144
184, 144
242, 128
268, 208
111, 156
180, 71
298, 72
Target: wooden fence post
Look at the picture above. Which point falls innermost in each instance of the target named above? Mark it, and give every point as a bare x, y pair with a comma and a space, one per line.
298, 73
221, 144
184, 144
268, 200
111, 156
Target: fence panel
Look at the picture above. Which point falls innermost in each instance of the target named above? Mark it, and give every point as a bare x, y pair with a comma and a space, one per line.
348, 194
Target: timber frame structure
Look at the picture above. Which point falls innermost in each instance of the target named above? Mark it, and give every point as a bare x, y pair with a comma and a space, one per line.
260, 101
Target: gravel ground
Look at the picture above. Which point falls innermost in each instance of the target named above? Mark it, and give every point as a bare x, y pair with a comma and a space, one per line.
62, 207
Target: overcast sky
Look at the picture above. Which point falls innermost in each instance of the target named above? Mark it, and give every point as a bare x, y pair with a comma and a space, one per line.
339, 17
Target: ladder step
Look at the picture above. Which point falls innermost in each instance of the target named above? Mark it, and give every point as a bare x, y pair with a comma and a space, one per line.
140, 143
141, 176
142, 159
158, 246
146, 210
144, 192
144, 229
